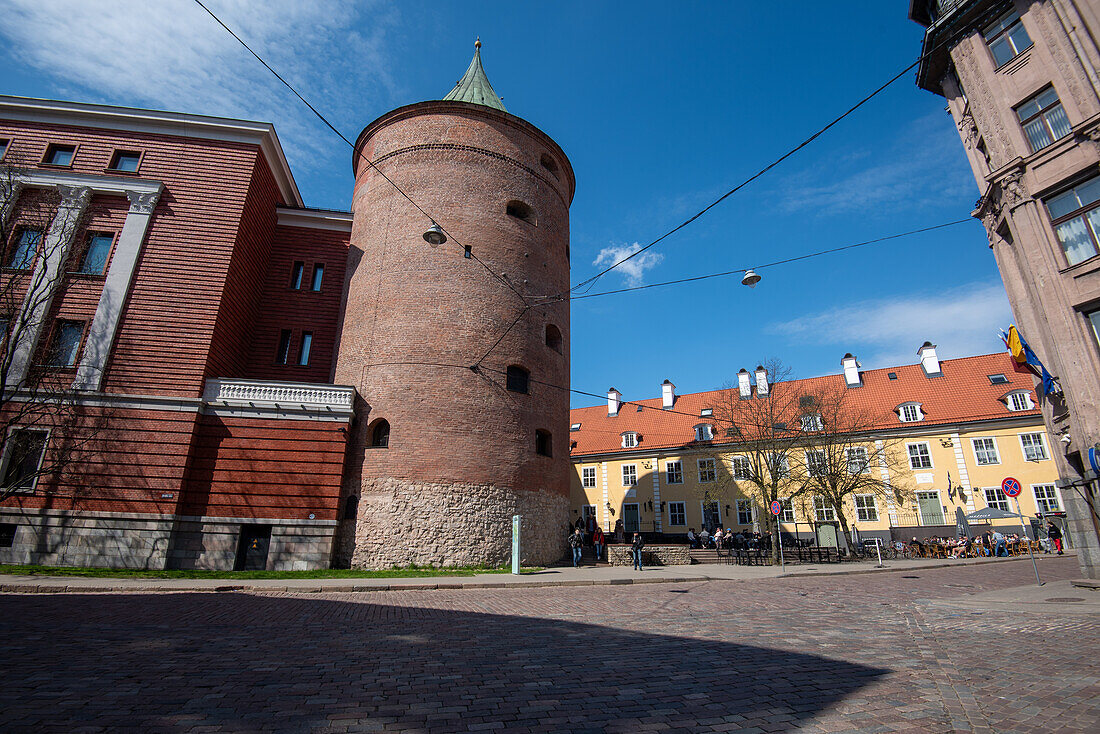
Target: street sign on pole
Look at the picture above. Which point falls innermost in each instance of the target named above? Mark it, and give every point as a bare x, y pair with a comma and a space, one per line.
1012, 488
1023, 534
777, 510
515, 543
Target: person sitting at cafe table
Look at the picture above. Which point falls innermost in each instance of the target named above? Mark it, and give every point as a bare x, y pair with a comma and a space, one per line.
704, 538
693, 542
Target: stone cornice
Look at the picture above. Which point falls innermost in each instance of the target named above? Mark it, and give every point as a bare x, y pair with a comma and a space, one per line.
315, 219
279, 399
116, 185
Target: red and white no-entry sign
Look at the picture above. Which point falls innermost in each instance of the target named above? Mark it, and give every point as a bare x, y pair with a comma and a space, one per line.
777, 507
1011, 487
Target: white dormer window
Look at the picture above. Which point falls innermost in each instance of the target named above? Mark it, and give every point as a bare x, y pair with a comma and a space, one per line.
704, 432
910, 412
575, 427
630, 440
1020, 400
812, 422
706, 412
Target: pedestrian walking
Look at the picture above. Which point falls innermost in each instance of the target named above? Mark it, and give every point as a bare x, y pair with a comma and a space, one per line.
597, 541
1055, 536
636, 550
576, 540
1000, 543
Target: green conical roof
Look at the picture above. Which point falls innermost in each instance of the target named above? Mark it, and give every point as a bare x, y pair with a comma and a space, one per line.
474, 86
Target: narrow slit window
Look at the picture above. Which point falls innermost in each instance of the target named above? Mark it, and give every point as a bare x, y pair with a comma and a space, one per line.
282, 354
318, 277
517, 379
304, 347
296, 274
543, 445
380, 435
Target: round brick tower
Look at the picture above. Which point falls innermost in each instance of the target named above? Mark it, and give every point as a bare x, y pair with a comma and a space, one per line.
457, 432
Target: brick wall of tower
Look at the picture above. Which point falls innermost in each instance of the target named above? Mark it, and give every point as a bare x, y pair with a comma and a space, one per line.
461, 454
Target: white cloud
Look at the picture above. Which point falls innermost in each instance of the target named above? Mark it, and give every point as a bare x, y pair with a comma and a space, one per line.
632, 270
960, 321
171, 55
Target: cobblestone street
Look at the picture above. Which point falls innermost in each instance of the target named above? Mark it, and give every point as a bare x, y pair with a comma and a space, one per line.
862, 653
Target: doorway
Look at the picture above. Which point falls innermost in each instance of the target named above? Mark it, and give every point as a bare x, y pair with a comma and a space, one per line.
712, 516
252, 548
631, 518
930, 509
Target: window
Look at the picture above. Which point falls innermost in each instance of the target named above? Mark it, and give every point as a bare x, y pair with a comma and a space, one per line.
59, 155
1034, 448
1019, 401
997, 379
744, 512
96, 252
517, 379
630, 440
816, 463
380, 435
677, 513
125, 161
919, 456
303, 348
706, 412
26, 247
282, 354
548, 163
7, 529
740, 467
856, 459
1043, 119
995, 497
812, 422
985, 451
543, 444
23, 458
892, 375
823, 511
704, 432
574, 427
674, 472
553, 338
318, 277
65, 344
1076, 219
588, 477
1006, 38
866, 511
707, 470
296, 274
788, 510
5, 143
1046, 498
519, 210
630, 475
779, 465
910, 413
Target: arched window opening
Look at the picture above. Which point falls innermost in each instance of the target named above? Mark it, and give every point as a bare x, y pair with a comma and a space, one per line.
553, 338
543, 443
380, 435
549, 164
519, 210
518, 379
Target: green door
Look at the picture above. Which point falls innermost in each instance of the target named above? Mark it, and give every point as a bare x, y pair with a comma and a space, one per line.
931, 511
631, 520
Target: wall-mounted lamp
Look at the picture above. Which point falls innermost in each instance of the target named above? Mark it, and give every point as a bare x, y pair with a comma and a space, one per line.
727, 510
649, 505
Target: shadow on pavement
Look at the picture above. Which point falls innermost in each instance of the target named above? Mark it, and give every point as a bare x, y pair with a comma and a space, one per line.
170, 662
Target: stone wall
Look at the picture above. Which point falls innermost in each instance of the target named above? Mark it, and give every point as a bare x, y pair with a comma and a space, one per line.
652, 555
211, 543
401, 523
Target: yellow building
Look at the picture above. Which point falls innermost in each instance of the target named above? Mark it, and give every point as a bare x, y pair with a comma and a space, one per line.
946, 434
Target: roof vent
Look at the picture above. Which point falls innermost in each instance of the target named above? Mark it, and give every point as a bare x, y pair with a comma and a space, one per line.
929, 362
743, 384
851, 371
614, 402
668, 394
761, 380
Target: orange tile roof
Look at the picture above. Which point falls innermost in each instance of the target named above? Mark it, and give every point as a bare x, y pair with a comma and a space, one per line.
962, 394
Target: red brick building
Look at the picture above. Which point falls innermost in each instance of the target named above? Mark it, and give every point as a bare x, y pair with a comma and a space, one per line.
186, 309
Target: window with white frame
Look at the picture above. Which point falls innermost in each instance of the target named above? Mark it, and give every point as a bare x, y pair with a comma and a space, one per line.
705, 412
985, 451
910, 412
704, 432
779, 464
866, 511
816, 463
919, 456
1046, 498
812, 422
674, 472
1020, 400
1034, 448
995, 497
856, 459
677, 513
23, 454
823, 511
740, 467
707, 470
630, 475
744, 512
588, 477
788, 510
630, 440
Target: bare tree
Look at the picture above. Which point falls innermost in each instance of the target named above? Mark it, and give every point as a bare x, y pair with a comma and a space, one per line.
845, 454
44, 430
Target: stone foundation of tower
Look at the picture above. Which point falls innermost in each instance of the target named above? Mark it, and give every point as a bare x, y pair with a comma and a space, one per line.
402, 522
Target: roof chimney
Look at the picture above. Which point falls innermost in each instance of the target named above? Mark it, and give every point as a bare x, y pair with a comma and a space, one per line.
668, 394
761, 380
614, 402
851, 371
743, 383
929, 362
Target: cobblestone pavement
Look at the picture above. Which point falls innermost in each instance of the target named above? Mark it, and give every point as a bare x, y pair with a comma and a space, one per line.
863, 653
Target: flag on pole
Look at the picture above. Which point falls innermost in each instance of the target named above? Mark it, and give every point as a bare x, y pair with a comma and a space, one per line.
1026, 359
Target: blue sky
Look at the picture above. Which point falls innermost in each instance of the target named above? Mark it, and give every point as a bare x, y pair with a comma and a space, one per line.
661, 108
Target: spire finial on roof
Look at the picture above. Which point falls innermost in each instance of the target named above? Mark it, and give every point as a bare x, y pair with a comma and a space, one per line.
474, 86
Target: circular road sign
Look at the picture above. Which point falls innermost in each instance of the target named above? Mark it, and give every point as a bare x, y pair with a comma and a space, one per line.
777, 507
1011, 487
